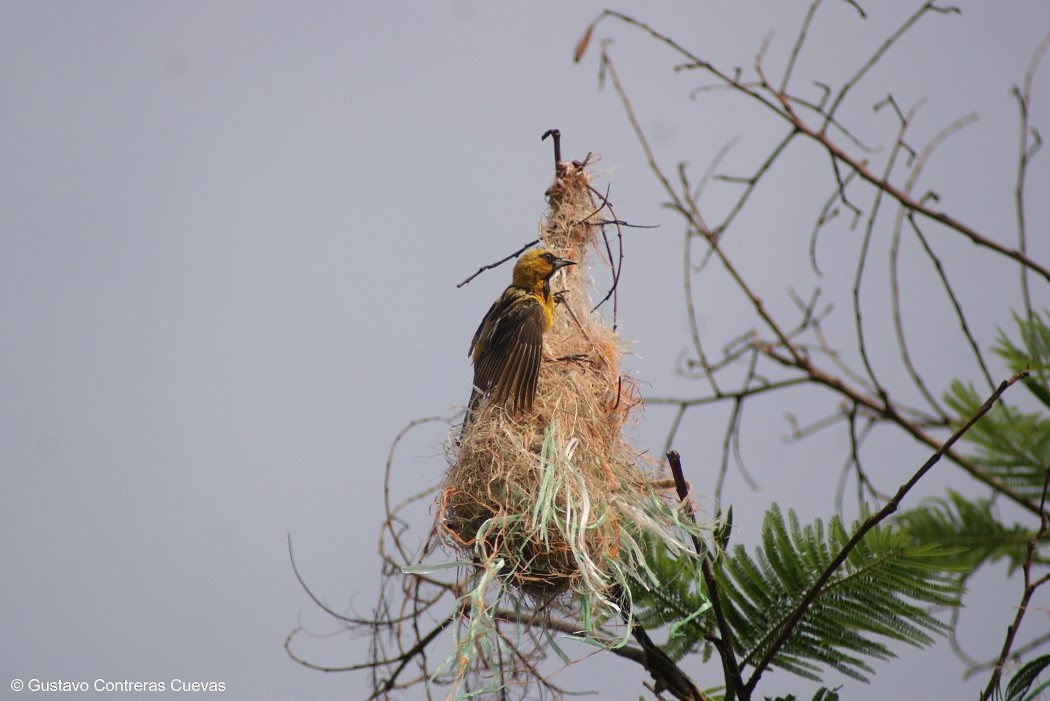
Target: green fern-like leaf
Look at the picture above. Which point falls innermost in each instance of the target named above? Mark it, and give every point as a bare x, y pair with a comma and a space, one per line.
879, 594
1012, 446
969, 528
823, 694
1017, 689
881, 591
1033, 353
678, 599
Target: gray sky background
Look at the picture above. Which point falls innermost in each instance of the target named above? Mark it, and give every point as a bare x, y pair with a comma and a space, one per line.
230, 235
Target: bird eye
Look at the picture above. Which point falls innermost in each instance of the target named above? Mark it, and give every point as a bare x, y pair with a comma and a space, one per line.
549, 257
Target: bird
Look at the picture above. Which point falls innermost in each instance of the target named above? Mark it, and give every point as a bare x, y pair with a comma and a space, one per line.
508, 345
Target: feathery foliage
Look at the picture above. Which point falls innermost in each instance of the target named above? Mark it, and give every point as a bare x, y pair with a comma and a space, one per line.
970, 529
1034, 353
823, 694
1011, 445
881, 591
678, 603
1018, 688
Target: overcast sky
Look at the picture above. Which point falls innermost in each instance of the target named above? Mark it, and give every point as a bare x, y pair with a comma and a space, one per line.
230, 237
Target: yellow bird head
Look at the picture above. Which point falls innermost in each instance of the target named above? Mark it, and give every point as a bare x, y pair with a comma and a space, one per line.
535, 267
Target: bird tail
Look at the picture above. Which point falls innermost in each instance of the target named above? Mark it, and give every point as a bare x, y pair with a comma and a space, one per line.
473, 405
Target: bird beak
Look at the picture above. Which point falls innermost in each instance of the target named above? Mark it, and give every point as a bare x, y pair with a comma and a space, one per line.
562, 262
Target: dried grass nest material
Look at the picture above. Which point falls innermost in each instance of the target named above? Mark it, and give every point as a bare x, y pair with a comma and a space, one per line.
556, 497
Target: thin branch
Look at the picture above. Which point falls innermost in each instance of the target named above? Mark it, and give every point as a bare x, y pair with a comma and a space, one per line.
886, 409
919, 207
749, 391
872, 521
712, 168
401, 660
690, 312
313, 597
856, 439
826, 214
499, 262
391, 510
1030, 585
1025, 154
799, 41
1017, 652
610, 70
902, 214
874, 58
963, 325
617, 265
732, 439
752, 182
734, 680
405, 658
556, 138
781, 105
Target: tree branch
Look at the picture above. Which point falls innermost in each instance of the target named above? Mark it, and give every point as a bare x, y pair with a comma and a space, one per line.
1030, 586
724, 644
869, 523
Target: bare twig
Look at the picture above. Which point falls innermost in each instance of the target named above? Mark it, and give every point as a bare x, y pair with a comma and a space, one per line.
874, 58
615, 265
976, 667
1026, 152
799, 41
887, 410
391, 509
902, 214
556, 138
724, 643
782, 106
499, 262
869, 523
1030, 585
690, 311
751, 183
917, 206
954, 299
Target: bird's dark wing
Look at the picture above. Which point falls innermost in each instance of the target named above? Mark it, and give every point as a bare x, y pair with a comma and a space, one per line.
507, 350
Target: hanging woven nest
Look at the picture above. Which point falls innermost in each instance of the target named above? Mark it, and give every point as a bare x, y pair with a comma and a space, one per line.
555, 499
